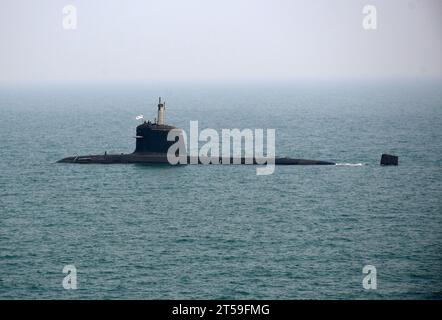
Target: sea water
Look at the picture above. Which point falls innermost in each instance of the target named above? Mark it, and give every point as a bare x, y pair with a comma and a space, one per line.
222, 232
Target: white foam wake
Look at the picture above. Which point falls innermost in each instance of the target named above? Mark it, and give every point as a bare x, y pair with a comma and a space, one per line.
351, 164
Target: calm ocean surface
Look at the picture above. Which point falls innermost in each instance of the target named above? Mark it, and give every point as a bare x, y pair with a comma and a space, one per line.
212, 232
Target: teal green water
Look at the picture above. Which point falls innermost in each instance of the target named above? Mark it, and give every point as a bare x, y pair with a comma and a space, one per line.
212, 232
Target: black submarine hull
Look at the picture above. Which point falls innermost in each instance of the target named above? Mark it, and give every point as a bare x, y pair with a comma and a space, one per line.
161, 158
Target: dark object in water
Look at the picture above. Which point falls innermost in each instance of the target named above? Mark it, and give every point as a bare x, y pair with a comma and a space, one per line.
152, 147
389, 160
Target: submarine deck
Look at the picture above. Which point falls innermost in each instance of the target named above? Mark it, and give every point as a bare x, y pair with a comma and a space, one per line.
161, 158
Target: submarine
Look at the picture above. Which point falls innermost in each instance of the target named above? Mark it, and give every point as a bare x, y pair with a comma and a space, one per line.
152, 146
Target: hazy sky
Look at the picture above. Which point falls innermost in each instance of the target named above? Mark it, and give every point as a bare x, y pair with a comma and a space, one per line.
218, 40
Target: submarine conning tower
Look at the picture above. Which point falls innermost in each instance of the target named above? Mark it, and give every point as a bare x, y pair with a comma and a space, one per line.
152, 136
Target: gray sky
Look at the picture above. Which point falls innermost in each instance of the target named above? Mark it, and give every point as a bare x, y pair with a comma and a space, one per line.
217, 40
